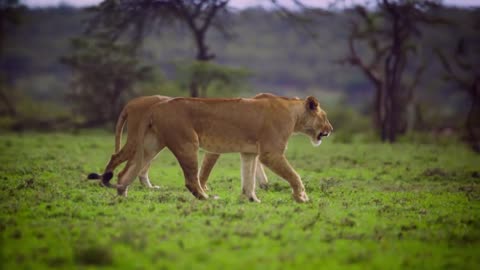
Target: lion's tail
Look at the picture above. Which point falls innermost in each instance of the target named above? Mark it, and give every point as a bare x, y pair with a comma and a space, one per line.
117, 158
104, 177
139, 151
121, 156
119, 129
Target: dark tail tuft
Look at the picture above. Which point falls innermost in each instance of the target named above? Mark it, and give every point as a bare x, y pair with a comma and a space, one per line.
106, 178
94, 176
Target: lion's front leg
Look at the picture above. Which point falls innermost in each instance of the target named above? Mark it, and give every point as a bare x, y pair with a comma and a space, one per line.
280, 166
249, 162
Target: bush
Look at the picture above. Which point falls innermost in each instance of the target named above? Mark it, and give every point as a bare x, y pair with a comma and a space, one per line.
440, 138
39, 115
350, 125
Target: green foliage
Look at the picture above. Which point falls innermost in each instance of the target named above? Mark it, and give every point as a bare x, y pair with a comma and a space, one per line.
160, 86
104, 78
41, 115
372, 206
211, 77
281, 57
439, 138
349, 124
44, 116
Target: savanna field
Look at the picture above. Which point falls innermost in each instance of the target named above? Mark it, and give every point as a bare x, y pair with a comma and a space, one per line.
373, 206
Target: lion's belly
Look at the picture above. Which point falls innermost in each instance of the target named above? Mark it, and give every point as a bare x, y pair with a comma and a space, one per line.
230, 145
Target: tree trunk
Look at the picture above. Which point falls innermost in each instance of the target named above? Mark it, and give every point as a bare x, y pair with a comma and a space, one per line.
10, 107
203, 91
473, 122
382, 112
194, 89
202, 55
394, 67
202, 48
377, 105
391, 87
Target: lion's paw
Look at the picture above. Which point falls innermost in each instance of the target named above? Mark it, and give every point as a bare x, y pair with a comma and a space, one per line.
263, 186
201, 195
254, 199
301, 197
250, 198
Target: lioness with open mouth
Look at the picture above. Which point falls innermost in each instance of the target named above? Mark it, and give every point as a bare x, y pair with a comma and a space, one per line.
256, 128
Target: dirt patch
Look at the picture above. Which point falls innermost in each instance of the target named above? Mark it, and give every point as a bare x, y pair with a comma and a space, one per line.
435, 172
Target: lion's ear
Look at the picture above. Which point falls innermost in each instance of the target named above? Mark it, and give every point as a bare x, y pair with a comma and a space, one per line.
311, 103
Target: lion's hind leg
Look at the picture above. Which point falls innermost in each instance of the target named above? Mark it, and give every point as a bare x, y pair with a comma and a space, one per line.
151, 148
125, 178
148, 157
188, 159
209, 160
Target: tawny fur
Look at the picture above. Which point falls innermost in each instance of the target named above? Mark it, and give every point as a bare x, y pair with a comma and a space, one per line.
259, 126
131, 114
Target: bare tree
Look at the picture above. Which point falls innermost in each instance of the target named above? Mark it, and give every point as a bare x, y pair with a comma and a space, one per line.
10, 15
135, 17
463, 68
388, 32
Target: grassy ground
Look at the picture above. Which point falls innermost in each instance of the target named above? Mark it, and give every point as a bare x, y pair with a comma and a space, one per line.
372, 206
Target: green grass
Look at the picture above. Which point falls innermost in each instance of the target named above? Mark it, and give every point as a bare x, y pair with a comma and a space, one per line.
373, 206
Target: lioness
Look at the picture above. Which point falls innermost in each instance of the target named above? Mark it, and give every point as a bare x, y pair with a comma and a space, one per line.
256, 128
132, 113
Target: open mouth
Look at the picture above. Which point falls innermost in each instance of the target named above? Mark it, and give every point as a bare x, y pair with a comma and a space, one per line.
322, 134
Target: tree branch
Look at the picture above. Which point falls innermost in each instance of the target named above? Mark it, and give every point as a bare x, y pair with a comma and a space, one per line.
451, 74
211, 13
354, 59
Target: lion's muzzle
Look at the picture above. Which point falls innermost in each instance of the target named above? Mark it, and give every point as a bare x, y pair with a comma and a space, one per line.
322, 134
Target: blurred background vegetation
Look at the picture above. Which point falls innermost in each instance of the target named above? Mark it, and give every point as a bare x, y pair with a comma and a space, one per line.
386, 70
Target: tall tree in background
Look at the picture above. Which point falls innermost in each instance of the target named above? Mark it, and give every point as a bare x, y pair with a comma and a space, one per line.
386, 31
10, 15
462, 66
104, 76
135, 17
389, 33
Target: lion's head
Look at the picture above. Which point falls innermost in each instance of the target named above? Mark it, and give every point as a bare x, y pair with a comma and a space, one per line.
314, 122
